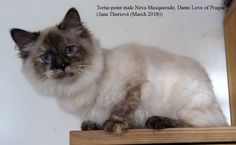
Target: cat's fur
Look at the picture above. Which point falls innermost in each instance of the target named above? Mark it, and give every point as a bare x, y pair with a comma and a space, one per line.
130, 86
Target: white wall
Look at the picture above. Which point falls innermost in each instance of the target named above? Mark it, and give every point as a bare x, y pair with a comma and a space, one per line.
30, 119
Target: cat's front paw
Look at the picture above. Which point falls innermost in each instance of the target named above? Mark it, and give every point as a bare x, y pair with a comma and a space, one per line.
89, 125
158, 122
116, 126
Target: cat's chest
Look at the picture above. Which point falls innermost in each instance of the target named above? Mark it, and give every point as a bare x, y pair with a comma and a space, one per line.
80, 104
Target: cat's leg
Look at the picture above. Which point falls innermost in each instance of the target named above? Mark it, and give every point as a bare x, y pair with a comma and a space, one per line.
89, 125
159, 122
121, 117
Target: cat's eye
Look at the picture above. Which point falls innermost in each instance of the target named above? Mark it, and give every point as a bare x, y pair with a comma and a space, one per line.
70, 50
47, 57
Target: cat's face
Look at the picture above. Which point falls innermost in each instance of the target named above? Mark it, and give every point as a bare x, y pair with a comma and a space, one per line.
60, 53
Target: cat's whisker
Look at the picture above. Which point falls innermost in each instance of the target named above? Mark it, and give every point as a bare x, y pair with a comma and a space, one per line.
84, 72
43, 78
79, 70
79, 64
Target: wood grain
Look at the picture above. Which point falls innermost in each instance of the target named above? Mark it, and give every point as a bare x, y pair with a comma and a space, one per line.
147, 136
230, 43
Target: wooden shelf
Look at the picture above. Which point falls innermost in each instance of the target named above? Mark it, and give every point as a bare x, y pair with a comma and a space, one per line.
230, 45
147, 136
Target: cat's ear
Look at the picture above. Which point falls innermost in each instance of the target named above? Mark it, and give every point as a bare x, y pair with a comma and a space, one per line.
22, 38
71, 20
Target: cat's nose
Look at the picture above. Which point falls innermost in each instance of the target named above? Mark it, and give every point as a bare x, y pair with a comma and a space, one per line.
64, 65
61, 66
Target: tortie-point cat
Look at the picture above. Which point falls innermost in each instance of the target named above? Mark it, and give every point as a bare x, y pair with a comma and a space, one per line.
130, 86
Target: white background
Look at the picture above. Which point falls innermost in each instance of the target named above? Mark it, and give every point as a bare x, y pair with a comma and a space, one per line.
30, 119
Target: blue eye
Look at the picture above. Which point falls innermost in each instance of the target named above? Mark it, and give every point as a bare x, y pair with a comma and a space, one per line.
70, 50
47, 57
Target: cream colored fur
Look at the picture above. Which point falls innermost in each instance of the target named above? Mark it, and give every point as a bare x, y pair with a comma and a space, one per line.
172, 86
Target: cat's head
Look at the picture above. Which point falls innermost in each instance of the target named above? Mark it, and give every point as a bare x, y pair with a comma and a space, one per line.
60, 54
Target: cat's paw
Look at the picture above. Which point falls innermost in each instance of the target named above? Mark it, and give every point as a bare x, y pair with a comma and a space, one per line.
89, 125
116, 126
157, 122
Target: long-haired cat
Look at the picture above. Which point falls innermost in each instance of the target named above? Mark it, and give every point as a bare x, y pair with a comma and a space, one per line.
130, 86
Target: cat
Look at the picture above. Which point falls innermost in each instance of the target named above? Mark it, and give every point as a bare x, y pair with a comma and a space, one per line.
130, 86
